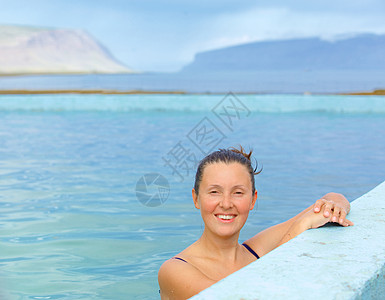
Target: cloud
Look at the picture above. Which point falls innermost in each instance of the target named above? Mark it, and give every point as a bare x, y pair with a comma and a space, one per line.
165, 35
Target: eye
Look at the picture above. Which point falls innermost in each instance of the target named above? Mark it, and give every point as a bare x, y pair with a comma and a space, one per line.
239, 193
213, 192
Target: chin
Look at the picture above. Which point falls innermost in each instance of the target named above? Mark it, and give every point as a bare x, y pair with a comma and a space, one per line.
227, 233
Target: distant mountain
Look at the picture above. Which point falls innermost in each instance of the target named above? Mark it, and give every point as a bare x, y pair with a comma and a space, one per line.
362, 52
31, 50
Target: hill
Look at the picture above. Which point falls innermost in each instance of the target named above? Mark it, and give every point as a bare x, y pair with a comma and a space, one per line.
362, 52
32, 50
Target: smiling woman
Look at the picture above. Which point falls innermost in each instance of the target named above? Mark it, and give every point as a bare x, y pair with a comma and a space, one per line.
224, 192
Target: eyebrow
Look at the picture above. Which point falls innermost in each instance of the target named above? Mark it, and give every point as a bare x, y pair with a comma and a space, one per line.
214, 186
239, 186
234, 187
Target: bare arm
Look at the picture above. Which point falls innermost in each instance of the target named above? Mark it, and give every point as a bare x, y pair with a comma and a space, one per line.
331, 205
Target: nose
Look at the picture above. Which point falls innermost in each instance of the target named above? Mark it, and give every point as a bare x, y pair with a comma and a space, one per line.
226, 202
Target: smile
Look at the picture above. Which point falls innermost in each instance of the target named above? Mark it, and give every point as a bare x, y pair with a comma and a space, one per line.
226, 218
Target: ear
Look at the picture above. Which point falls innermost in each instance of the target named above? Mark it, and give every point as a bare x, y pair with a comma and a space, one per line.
254, 200
195, 199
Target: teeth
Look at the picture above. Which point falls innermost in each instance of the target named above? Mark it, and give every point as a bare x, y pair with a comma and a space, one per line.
226, 217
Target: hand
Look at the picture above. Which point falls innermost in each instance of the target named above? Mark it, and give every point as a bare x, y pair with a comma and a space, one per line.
335, 206
312, 219
330, 208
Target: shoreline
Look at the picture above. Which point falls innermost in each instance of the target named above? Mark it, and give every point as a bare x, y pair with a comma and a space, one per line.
102, 92
22, 74
379, 92
372, 93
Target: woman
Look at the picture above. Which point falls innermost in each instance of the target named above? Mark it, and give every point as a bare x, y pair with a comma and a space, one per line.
224, 192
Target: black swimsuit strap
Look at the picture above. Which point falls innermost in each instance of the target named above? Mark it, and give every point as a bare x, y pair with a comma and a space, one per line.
175, 257
251, 250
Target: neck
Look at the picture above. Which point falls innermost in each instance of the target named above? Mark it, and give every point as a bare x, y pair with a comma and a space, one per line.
220, 248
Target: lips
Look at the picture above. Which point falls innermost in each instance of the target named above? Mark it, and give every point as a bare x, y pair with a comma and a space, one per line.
226, 218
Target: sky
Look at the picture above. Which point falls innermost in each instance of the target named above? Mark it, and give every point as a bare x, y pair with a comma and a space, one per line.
164, 36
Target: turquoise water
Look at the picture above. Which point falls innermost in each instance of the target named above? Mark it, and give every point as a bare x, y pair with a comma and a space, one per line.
300, 81
71, 224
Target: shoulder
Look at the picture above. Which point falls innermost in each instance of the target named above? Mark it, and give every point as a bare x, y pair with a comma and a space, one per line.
181, 280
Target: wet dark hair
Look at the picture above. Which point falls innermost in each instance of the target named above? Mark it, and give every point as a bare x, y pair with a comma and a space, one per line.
227, 156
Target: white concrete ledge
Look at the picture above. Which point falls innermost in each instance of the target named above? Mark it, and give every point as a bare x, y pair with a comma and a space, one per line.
331, 262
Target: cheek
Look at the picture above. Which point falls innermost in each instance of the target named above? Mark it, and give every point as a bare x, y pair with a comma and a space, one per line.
244, 205
208, 206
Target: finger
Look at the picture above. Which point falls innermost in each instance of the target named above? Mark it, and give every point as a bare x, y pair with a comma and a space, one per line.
336, 215
347, 223
342, 217
328, 210
318, 204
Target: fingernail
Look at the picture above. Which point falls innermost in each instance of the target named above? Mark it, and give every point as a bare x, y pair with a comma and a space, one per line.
334, 219
327, 214
341, 220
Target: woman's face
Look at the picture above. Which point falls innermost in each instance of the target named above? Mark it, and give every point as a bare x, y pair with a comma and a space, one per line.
225, 198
